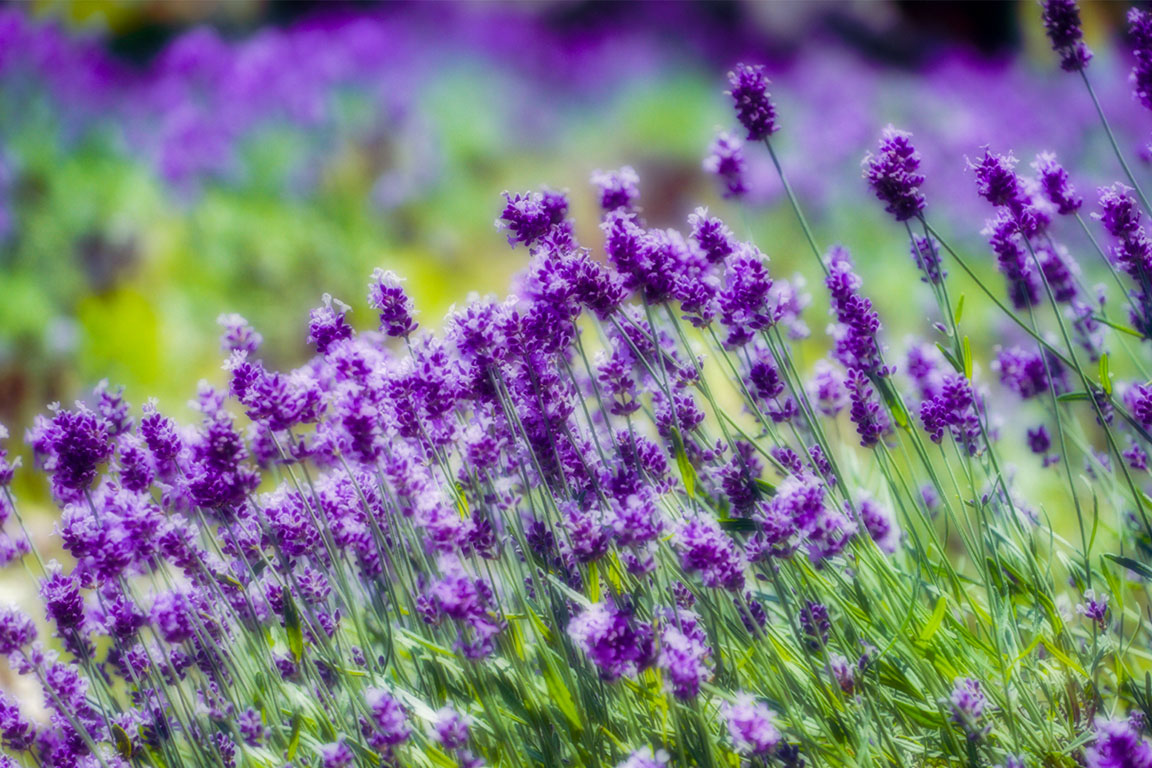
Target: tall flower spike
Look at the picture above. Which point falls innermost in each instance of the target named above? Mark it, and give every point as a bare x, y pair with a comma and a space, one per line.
1140, 30
753, 102
1062, 23
894, 175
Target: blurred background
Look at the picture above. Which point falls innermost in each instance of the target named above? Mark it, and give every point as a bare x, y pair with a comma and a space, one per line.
162, 163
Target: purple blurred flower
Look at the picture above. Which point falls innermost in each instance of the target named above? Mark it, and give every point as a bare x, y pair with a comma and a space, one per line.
619, 189
750, 725
1117, 745
1056, 185
968, 703
725, 160
618, 645
1140, 30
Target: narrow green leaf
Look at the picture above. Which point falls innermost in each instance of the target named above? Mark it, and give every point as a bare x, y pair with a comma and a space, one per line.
951, 358
123, 742
1069, 397
934, 621
687, 471
737, 524
766, 486
292, 626
294, 740
1118, 327
967, 358
1067, 660
1105, 379
959, 310
560, 694
1132, 565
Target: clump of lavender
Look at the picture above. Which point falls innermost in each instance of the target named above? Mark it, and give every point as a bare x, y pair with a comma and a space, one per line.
610, 520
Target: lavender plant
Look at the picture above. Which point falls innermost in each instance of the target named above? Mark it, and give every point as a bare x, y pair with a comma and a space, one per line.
619, 519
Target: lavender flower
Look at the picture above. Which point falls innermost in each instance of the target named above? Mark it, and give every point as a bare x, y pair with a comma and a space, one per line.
725, 160
1027, 373
954, 410
754, 108
869, 417
387, 296
968, 703
894, 174
1138, 398
62, 601
529, 217
1094, 608
1117, 745
856, 344
16, 630
70, 447
613, 641
1056, 185
750, 726
926, 254
388, 726
881, 526
619, 190
645, 758
16, 733
744, 297
327, 324
336, 755
712, 236
238, 335
814, 624
707, 550
1140, 30
1062, 23
684, 656
451, 729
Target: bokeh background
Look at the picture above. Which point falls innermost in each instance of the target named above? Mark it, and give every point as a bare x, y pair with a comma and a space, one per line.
162, 163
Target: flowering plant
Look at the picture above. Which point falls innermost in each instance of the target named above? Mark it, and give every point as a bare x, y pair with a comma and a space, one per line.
618, 519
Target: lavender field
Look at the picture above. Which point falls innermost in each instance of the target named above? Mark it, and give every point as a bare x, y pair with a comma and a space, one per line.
566, 384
